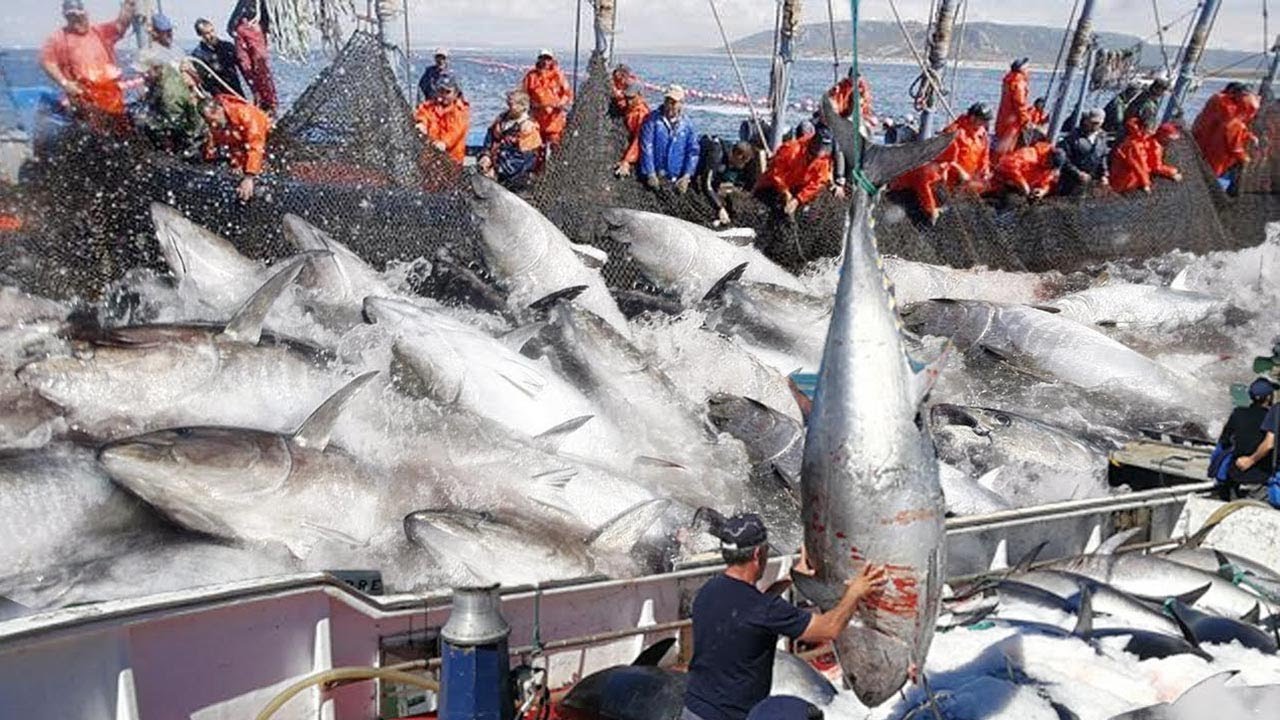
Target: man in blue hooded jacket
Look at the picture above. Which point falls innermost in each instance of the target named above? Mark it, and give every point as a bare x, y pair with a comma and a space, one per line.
669, 144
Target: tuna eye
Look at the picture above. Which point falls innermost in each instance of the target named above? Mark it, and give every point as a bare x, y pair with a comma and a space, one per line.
182, 432
1003, 420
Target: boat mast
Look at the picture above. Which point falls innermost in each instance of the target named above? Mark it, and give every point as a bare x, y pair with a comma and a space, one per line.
1266, 90
939, 49
1191, 57
1080, 44
780, 78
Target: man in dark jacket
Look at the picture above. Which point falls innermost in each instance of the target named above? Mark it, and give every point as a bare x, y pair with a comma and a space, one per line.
429, 83
669, 144
1119, 105
726, 171
1249, 437
1146, 107
1085, 151
217, 61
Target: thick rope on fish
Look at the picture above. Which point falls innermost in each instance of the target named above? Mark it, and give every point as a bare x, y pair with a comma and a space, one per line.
856, 115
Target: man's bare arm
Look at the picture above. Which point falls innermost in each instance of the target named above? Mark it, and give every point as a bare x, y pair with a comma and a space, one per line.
826, 626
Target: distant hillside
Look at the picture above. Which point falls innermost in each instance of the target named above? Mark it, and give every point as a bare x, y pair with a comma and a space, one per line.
983, 42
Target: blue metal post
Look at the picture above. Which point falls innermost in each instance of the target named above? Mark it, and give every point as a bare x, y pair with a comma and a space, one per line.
475, 667
939, 48
781, 75
1080, 44
1191, 57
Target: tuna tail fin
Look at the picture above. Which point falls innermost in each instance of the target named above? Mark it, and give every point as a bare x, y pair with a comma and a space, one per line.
551, 439
246, 325
1254, 616
1226, 568
1113, 543
1084, 614
547, 302
315, 431
824, 595
653, 654
729, 278
880, 163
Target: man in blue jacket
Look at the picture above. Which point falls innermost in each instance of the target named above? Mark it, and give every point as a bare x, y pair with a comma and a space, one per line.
669, 144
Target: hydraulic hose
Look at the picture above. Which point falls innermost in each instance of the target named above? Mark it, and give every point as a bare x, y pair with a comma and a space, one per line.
345, 673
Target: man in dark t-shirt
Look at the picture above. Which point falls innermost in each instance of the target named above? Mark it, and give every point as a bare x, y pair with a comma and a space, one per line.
1243, 434
1259, 465
736, 627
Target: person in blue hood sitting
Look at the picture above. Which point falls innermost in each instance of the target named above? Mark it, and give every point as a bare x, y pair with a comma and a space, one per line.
669, 144
1244, 448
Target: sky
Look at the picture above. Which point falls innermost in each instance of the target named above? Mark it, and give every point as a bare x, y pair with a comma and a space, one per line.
648, 24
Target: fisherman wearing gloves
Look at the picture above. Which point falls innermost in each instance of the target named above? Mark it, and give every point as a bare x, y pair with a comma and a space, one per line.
736, 627
1257, 466
444, 120
669, 144
798, 172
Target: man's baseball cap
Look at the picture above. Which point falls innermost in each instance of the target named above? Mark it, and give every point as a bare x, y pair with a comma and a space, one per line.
1261, 388
161, 23
742, 531
441, 51
546, 52
675, 92
1019, 63
73, 7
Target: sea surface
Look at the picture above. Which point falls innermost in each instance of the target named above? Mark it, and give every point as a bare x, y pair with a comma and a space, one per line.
486, 75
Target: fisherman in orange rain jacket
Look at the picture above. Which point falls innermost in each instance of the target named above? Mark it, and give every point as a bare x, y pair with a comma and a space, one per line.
622, 78
1030, 170
1038, 115
445, 119
841, 95
1140, 157
81, 59
1015, 110
550, 94
967, 159
636, 112
921, 181
239, 129
798, 173
1222, 129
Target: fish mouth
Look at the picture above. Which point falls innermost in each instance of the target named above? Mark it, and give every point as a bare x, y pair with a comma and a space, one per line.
481, 186
119, 456
946, 415
615, 219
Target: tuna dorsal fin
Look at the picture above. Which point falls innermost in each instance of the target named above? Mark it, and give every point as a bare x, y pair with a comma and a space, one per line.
922, 382
1180, 281
547, 302
1084, 614
551, 439
1191, 597
315, 431
1000, 558
741, 237
592, 257
880, 163
652, 655
518, 338
1226, 568
621, 532
1025, 563
717, 290
1113, 543
823, 595
1254, 616
246, 325
1177, 611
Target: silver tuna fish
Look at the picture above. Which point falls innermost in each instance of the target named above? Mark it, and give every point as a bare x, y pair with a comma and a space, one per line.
870, 490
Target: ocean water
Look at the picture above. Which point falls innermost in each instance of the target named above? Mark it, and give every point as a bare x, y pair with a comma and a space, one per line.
487, 75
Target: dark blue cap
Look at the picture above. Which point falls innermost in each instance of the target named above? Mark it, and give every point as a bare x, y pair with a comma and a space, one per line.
161, 23
1261, 388
784, 707
743, 531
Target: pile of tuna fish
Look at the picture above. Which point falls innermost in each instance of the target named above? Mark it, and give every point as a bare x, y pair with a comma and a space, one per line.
229, 419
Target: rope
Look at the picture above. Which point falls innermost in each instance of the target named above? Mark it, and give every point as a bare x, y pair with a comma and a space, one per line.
856, 115
1155, 9
1186, 39
926, 71
835, 51
214, 75
1062, 49
1235, 64
737, 69
958, 45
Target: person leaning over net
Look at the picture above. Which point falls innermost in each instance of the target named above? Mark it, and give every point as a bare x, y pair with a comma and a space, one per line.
238, 130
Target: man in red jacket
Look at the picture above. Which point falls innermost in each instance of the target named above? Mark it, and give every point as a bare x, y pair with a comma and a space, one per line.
253, 56
798, 172
1139, 158
238, 130
1015, 110
1223, 130
81, 58
1031, 171
551, 95
445, 119
841, 95
636, 111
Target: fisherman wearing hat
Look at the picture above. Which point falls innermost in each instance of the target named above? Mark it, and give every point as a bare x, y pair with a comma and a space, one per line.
798, 173
968, 157
669, 149
1015, 108
1086, 152
550, 94
736, 626
81, 58
622, 78
444, 119
1249, 437
169, 115
429, 83
636, 110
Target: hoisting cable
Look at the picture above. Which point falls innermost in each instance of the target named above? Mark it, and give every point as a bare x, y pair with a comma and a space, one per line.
957, 48
856, 115
1062, 49
1155, 9
742, 82
926, 72
577, 40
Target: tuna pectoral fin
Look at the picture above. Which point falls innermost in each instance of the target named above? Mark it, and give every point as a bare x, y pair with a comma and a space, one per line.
1084, 615
1180, 281
653, 654
624, 530
592, 257
1113, 543
1178, 612
317, 428
741, 237
549, 301
824, 595
518, 338
717, 290
656, 462
552, 439
246, 325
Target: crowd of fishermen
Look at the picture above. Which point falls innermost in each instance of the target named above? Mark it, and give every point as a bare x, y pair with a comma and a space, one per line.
194, 105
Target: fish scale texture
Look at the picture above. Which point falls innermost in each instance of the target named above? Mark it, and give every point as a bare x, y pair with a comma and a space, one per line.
347, 158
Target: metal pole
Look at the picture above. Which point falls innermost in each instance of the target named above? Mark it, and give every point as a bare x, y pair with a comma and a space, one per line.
1266, 90
408, 59
1191, 57
781, 75
1079, 46
939, 48
577, 42
1074, 121
835, 51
